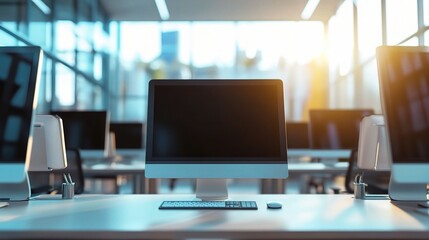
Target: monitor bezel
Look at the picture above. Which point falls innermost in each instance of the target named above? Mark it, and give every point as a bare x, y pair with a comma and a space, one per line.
150, 159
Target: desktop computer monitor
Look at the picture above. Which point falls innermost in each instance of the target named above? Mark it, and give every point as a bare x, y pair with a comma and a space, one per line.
214, 130
19, 76
336, 128
86, 130
126, 140
128, 135
404, 86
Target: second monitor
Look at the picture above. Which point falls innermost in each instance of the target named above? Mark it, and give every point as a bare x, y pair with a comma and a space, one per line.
216, 129
129, 135
86, 130
297, 135
336, 128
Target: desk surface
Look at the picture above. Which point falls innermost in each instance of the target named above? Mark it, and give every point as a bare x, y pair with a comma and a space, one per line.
138, 217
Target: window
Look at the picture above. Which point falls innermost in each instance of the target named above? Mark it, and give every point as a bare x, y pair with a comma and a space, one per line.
341, 40
401, 20
64, 87
156, 50
369, 24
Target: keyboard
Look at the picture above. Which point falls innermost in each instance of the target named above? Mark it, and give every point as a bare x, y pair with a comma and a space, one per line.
229, 205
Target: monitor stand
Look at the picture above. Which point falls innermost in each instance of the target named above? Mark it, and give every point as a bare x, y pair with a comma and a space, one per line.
212, 189
111, 154
407, 191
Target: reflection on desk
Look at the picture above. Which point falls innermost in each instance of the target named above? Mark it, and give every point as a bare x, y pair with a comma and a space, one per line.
138, 217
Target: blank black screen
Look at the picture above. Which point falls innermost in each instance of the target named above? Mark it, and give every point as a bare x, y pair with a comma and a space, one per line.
336, 129
297, 135
128, 135
18, 81
84, 129
217, 119
404, 81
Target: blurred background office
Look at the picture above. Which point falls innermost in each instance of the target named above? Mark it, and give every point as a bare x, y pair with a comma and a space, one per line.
100, 54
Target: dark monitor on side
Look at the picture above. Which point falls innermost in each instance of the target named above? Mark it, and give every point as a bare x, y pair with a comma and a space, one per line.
128, 135
404, 85
336, 128
297, 135
86, 130
20, 69
214, 130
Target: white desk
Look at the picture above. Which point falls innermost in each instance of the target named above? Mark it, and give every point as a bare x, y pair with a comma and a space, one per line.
138, 217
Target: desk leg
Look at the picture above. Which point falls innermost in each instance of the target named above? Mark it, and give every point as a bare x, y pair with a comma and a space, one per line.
265, 186
143, 185
138, 184
152, 185
304, 184
273, 186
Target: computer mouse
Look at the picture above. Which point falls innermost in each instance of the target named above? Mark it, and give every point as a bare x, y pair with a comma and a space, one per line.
274, 205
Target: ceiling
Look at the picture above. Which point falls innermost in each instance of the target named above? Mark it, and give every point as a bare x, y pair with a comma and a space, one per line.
218, 10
